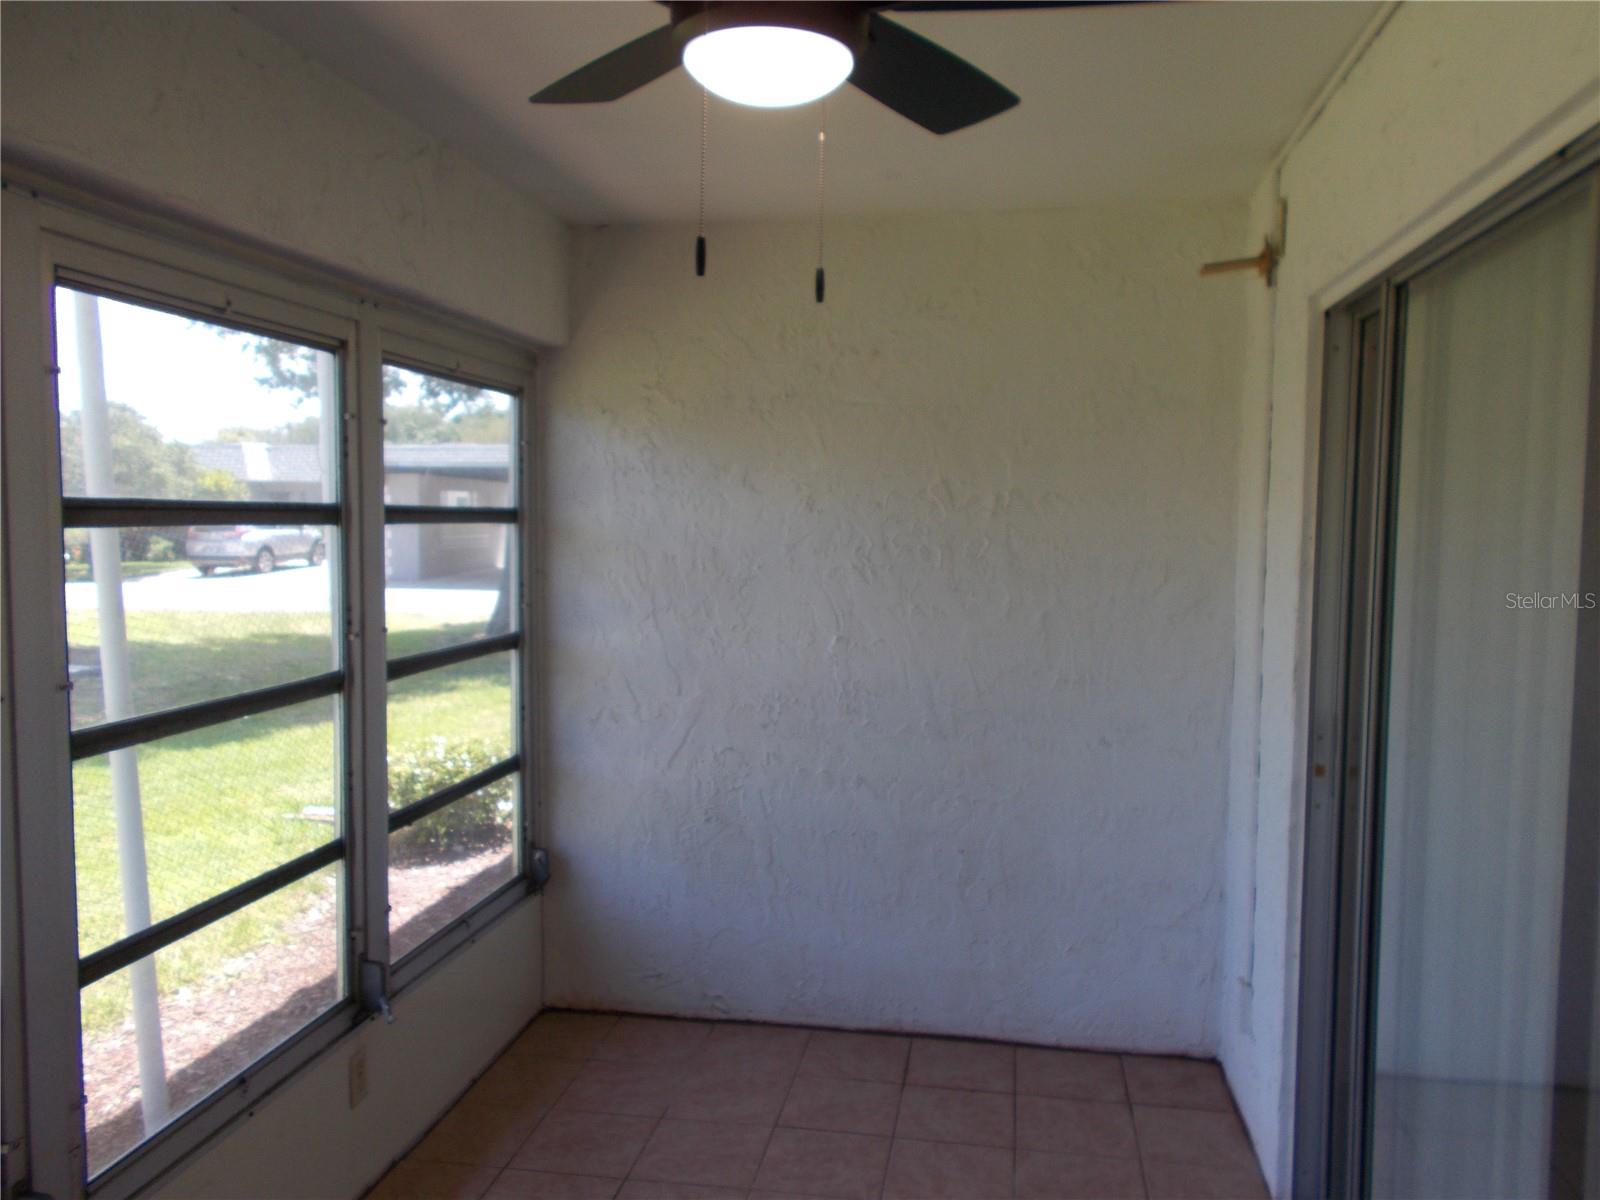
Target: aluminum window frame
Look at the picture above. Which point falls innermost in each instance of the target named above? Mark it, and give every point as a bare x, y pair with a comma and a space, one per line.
1349, 648
55, 234
414, 351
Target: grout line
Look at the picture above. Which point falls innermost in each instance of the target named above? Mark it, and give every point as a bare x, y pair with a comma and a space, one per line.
894, 1130
1138, 1150
1016, 1121
773, 1132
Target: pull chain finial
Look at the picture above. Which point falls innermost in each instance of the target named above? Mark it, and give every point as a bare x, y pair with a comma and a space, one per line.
822, 176
700, 238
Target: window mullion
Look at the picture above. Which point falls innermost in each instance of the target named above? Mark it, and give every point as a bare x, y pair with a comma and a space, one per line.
37, 730
530, 592
368, 810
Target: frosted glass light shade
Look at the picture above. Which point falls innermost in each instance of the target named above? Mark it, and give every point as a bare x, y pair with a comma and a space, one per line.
768, 66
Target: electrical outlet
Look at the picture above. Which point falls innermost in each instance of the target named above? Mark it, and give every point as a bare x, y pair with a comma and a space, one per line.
358, 1076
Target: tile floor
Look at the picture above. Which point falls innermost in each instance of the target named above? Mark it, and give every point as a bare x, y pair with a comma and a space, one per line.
639, 1108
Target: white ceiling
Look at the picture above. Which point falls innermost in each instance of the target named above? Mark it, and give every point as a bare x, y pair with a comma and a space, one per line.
1155, 101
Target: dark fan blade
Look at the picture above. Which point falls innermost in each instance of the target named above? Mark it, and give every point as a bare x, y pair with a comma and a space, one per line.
925, 82
992, 5
614, 75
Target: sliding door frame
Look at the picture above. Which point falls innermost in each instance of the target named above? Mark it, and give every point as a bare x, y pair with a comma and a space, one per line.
1349, 639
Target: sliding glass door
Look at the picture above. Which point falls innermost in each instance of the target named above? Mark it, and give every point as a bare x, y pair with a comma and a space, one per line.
1453, 760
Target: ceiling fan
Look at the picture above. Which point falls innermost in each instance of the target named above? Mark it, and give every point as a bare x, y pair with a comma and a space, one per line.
774, 55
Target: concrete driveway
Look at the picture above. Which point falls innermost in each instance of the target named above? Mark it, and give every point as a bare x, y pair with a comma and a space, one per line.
290, 589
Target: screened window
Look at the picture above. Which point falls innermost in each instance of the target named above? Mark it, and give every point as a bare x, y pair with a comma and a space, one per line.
199, 504
452, 606
265, 624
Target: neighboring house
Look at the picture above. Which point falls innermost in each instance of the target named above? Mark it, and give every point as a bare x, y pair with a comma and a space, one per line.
449, 474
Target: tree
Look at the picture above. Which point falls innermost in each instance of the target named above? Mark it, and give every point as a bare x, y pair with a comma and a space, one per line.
421, 409
303, 432
143, 464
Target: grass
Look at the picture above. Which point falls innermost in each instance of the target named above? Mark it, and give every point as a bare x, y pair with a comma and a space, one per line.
222, 804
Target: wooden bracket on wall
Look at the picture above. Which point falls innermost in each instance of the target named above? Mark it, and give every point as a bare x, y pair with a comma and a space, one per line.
1263, 264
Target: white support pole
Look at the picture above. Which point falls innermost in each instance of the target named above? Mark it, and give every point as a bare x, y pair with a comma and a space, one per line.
329, 413
115, 684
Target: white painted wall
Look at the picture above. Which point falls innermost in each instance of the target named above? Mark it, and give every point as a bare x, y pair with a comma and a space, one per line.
892, 637
305, 1142
1449, 103
195, 110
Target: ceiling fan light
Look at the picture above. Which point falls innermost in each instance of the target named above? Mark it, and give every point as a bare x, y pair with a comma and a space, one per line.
768, 66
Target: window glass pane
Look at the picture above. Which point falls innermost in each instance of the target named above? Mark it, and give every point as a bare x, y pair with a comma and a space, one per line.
447, 584
224, 996
206, 612
169, 407
450, 723
218, 807
444, 442
447, 862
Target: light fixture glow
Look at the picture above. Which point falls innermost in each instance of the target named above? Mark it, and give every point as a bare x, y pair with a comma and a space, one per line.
768, 66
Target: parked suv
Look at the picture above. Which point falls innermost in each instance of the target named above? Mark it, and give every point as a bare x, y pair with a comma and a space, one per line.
259, 547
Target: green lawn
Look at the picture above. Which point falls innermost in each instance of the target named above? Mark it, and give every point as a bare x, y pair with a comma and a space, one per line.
223, 804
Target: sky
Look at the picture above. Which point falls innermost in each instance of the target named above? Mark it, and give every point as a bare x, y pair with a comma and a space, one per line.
187, 378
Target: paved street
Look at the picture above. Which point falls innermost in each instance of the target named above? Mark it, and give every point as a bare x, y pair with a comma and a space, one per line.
290, 589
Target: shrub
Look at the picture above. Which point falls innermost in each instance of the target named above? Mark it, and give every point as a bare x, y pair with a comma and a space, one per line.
467, 826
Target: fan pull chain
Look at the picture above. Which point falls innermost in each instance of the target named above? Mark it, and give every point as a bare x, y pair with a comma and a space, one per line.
700, 239
822, 177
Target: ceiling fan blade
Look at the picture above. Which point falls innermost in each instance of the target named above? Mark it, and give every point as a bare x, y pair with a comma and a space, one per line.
614, 75
925, 82
992, 5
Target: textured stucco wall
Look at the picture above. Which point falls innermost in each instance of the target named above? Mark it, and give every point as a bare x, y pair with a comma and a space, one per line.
1448, 104
891, 638
193, 108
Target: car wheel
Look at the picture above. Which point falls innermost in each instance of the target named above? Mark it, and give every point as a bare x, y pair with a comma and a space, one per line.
207, 570
265, 561
318, 555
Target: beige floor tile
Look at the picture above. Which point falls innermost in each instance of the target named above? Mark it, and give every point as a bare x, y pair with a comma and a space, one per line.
544, 1185
1070, 1075
946, 1115
738, 1099
629, 1089
660, 1189
478, 1134
970, 1066
412, 1180
941, 1170
520, 1079
1192, 1135
1176, 1082
842, 1105
1043, 1176
848, 1166
653, 1039
1075, 1127
583, 1143
756, 1050
717, 1154
874, 1057
1187, 1181
564, 1035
